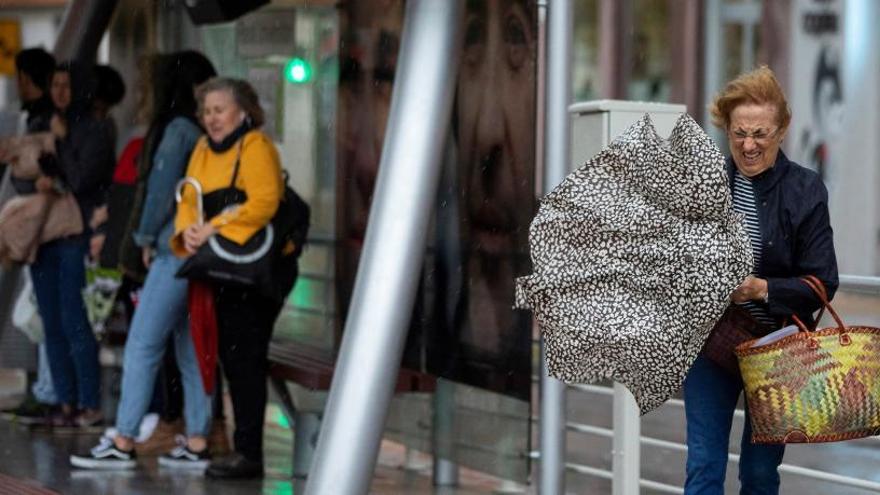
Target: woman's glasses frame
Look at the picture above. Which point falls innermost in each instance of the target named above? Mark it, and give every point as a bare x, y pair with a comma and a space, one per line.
760, 136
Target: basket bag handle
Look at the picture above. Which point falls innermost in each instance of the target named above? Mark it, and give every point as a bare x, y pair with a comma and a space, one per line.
819, 289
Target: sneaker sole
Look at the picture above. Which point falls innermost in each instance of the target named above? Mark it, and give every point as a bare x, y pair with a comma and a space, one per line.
89, 463
183, 464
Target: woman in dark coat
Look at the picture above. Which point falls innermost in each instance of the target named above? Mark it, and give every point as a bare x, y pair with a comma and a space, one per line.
785, 207
83, 166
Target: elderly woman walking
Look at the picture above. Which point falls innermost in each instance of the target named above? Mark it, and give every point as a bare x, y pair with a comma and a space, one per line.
786, 215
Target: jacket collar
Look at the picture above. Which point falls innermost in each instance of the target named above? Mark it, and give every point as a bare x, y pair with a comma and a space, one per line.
766, 180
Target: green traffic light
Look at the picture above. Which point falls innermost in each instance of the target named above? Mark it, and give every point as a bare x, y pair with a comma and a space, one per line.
297, 71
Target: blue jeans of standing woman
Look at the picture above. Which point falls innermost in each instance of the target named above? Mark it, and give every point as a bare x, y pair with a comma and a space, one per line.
161, 314
710, 397
43, 389
59, 275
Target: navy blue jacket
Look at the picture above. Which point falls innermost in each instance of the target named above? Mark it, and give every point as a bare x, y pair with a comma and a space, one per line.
796, 236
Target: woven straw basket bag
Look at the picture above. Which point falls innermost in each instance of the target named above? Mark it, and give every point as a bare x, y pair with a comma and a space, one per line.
820, 386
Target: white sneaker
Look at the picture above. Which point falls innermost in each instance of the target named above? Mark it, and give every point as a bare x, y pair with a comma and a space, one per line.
105, 455
181, 457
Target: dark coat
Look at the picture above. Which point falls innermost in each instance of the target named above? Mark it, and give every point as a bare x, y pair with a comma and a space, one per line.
86, 156
39, 113
796, 236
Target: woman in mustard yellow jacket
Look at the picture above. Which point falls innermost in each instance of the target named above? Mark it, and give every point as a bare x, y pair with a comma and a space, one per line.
231, 115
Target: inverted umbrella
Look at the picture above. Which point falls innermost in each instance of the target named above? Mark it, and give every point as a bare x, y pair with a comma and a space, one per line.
635, 255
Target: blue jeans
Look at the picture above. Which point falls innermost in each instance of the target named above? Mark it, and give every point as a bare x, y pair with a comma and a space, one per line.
59, 275
710, 396
43, 389
161, 314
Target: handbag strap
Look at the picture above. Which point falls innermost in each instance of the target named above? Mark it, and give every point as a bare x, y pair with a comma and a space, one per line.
237, 162
817, 286
819, 289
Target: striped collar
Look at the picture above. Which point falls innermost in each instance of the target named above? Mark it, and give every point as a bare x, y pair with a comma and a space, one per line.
765, 181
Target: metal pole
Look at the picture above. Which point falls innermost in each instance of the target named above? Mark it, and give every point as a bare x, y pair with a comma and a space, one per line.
388, 274
615, 47
626, 453
713, 61
556, 165
445, 471
84, 24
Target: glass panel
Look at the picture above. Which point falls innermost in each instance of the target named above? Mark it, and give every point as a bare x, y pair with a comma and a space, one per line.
477, 429
330, 132
585, 64
733, 34
300, 117
649, 70
462, 324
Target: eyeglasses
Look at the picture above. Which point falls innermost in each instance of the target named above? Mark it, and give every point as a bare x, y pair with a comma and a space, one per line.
760, 136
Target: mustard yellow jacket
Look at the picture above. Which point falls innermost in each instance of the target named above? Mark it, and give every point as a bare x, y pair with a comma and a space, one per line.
259, 176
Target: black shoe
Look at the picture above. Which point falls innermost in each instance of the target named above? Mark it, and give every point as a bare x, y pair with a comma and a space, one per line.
30, 412
234, 466
105, 456
181, 457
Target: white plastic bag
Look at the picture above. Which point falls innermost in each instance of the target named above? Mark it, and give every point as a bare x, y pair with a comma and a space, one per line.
25, 316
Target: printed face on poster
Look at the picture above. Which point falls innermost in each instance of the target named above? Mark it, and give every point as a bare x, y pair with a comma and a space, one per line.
817, 99
471, 334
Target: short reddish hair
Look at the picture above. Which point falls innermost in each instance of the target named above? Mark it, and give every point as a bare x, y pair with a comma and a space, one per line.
758, 86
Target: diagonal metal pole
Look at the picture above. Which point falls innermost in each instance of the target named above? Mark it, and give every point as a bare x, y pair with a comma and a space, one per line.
84, 24
557, 142
388, 275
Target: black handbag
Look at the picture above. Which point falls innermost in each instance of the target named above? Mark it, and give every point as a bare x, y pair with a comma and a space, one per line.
266, 261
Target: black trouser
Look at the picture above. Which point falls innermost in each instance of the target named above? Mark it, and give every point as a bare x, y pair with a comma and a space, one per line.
245, 320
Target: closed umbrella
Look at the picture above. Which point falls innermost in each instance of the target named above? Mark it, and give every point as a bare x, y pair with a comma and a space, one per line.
203, 329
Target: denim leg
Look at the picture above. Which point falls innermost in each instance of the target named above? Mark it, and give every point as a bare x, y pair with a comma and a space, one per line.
43, 389
45, 277
162, 305
197, 405
75, 322
758, 474
710, 396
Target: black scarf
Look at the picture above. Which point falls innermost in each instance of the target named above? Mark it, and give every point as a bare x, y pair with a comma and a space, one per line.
231, 139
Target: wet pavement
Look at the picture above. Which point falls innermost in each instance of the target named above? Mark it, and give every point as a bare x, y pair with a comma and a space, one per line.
39, 460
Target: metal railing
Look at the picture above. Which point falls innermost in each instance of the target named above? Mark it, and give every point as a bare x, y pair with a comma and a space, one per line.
848, 283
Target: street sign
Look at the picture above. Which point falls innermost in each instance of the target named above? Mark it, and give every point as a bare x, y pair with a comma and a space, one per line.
10, 44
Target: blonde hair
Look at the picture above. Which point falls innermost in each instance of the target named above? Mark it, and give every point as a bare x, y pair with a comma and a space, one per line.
758, 86
243, 93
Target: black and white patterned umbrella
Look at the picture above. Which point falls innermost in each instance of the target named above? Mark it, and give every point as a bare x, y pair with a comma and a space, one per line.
635, 255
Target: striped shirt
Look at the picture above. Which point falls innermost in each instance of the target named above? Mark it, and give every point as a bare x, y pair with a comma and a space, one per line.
744, 202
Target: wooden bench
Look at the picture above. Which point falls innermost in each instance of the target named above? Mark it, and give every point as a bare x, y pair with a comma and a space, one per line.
311, 366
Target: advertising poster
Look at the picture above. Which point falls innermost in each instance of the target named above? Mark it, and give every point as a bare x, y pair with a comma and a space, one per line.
464, 328
816, 97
